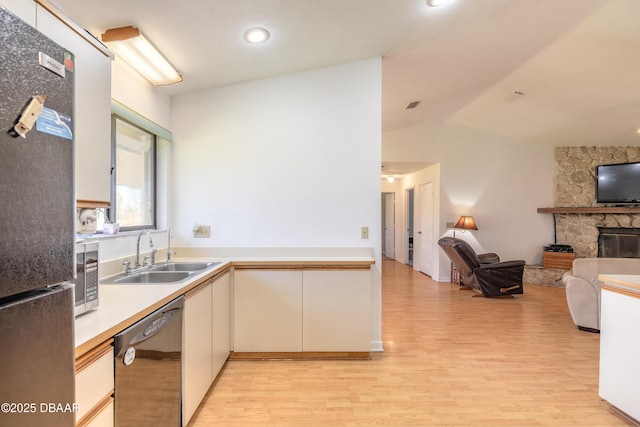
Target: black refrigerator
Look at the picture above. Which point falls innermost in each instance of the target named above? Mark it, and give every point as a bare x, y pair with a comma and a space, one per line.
37, 206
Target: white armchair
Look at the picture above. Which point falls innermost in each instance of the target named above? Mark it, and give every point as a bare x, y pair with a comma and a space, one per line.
583, 287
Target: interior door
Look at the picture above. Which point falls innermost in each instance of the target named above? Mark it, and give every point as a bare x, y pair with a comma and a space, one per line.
426, 228
389, 224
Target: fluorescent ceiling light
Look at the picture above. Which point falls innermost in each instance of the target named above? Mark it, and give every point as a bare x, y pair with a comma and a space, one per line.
129, 44
256, 35
436, 3
510, 97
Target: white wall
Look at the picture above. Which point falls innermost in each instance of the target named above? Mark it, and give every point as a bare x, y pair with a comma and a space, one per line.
500, 182
496, 179
288, 161
134, 91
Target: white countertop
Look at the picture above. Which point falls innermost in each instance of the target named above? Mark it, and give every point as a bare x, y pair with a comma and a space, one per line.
121, 305
627, 282
124, 304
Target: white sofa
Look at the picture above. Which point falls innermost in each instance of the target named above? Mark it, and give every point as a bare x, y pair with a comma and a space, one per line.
583, 287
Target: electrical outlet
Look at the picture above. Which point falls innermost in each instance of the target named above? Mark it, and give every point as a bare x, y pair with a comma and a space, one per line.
202, 231
450, 224
364, 232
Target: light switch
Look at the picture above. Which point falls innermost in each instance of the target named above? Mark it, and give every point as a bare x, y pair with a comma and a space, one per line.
364, 233
201, 231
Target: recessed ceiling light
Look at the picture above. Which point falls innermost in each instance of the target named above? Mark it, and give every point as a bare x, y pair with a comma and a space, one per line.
436, 3
256, 35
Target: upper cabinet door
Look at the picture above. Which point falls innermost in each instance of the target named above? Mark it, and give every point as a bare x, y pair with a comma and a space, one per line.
23, 9
92, 118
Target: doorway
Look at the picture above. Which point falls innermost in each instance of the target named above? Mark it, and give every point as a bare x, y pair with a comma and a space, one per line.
409, 207
388, 225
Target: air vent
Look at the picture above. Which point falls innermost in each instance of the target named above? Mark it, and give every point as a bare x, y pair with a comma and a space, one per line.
510, 97
411, 105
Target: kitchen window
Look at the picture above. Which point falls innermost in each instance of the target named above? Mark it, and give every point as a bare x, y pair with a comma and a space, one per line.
133, 177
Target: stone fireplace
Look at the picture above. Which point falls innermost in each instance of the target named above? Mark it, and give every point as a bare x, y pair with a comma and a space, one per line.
575, 187
578, 218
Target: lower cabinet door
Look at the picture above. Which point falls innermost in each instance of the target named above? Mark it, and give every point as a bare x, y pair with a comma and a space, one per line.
337, 310
197, 373
221, 322
267, 310
105, 418
619, 381
94, 386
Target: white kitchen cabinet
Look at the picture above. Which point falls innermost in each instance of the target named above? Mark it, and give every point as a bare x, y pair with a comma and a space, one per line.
206, 339
104, 418
95, 387
336, 310
23, 9
620, 349
197, 374
221, 327
302, 310
267, 310
92, 110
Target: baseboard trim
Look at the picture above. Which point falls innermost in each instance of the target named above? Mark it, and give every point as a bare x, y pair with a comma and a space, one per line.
302, 355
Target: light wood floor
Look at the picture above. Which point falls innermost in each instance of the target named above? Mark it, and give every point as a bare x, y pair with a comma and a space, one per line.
449, 360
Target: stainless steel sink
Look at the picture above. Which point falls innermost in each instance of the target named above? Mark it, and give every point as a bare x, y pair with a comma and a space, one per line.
185, 266
169, 273
155, 277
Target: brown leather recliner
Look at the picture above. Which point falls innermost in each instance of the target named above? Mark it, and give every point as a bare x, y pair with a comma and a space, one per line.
484, 273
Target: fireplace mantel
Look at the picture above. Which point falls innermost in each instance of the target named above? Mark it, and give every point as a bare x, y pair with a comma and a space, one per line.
592, 210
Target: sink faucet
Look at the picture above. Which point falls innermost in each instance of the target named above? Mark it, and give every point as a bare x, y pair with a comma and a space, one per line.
137, 264
169, 250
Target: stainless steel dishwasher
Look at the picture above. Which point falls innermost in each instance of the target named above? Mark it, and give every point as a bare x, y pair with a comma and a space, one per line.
148, 370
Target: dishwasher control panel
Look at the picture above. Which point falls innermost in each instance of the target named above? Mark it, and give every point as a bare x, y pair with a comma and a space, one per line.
159, 323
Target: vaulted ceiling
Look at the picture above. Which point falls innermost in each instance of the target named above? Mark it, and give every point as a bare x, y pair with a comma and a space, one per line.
576, 61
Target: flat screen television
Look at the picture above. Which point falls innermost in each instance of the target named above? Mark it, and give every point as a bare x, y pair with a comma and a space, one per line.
618, 183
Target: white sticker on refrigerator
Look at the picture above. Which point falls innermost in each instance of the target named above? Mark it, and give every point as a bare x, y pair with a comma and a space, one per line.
54, 123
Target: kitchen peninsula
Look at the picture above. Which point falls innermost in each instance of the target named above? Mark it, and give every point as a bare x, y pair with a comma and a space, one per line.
620, 343
257, 307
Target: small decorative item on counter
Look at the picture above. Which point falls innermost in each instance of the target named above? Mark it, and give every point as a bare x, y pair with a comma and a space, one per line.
87, 221
110, 229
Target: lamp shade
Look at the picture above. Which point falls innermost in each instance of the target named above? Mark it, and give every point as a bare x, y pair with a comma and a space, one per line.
466, 223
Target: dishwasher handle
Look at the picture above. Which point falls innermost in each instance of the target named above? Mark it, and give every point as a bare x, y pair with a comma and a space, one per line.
148, 327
